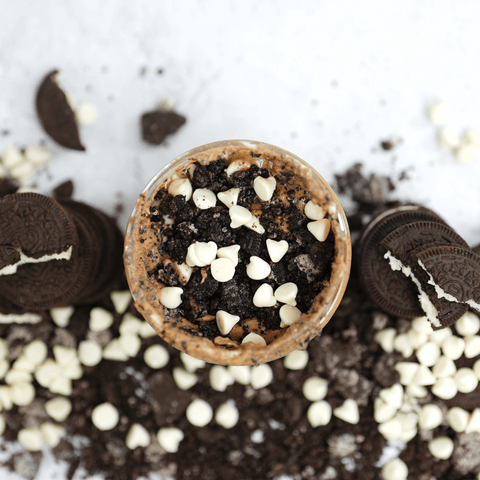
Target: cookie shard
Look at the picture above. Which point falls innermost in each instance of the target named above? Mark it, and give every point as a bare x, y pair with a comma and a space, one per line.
158, 125
33, 229
56, 115
454, 272
401, 246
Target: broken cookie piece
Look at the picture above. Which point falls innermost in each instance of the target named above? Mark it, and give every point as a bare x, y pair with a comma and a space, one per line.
56, 114
159, 124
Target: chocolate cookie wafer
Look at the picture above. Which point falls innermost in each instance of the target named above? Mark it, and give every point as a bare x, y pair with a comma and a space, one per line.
400, 248
109, 240
454, 270
56, 114
41, 286
33, 228
389, 290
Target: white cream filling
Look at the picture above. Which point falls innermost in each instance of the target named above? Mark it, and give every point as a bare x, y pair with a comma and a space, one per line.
427, 306
20, 318
11, 269
441, 293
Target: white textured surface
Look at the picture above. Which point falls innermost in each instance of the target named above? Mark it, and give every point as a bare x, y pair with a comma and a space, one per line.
325, 80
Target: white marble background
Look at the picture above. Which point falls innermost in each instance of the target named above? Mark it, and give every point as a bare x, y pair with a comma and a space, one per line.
326, 80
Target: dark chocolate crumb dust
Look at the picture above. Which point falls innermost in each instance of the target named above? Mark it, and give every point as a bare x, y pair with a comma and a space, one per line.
273, 438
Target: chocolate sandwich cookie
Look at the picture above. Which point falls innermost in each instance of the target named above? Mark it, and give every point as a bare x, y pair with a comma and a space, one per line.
391, 291
455, 271
402, 244
109, 243
41, 286
35, 225
467, 401
56, 114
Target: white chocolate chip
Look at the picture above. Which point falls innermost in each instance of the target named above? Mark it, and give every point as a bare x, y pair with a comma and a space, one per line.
121, 300
3, 424
391, 429
382, 411
392, 395
258, 269
439, 336
385, 339
30, 439
12, 157
47, 372
436, 113
319, 229
222, 269
472, 346
171, 297
264, 297
61, 315
466, 380
227, 415
296, 360
453, 347
255, 339
466, 152
137, 436
239, 216
348, 411
231, 253
190, 363
3, 349
468, 324
230, 197
184, 380
113, 351
476, 368
445, 388
319, 413
447, 139
288, 315
204, 198
262, 375
105, 416
167, 104
184, 272
61, 385
200, 254
428, 354
156, 356
220, 378
236, 167
64, 355
146, 330
472, 136
395, 469
416, 338
264, 187
315, 388
4, 366
169, 438
86, 114
402, 344
16, 376
422, 325
430, 417
23, 173
35, 352
445, 367
286, 293
100, 319
407, 371
277, 250
130, 324
241, 373
6, 397
441, 447
314, 211
424, 376
22, 393
130, 344
52, 434
181, 186
58, 408
226, 321
199, 413
474, 422
458, 418
254, 225
37, 155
